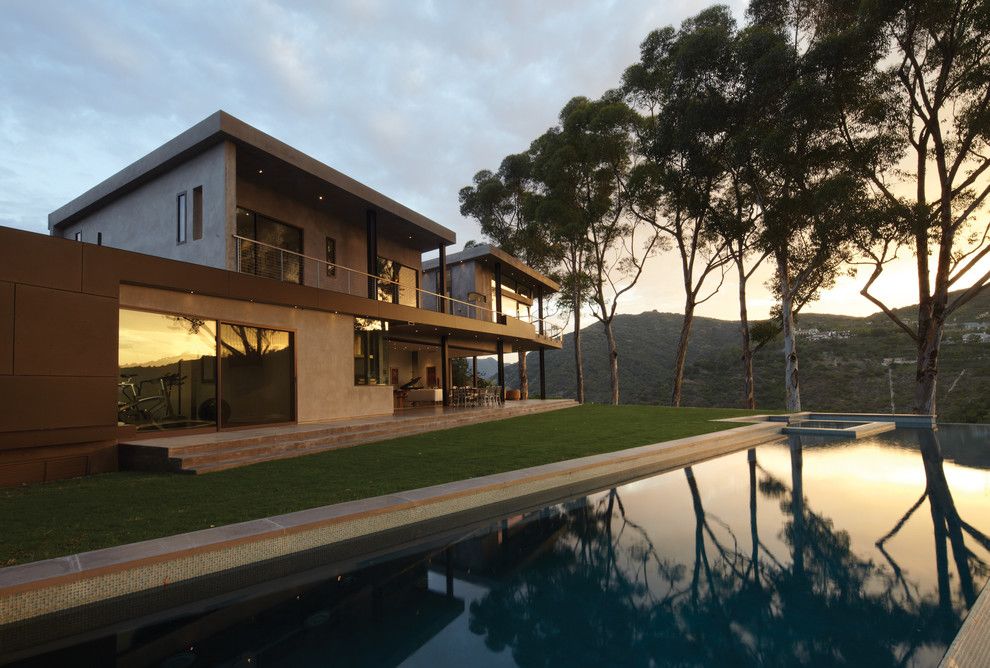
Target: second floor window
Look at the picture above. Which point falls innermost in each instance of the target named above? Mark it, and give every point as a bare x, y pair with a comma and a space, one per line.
401, 285
269, 248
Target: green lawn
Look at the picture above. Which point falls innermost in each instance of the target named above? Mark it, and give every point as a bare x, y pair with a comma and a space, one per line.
59, 518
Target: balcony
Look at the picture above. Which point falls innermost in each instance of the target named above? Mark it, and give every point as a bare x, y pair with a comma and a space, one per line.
269, 261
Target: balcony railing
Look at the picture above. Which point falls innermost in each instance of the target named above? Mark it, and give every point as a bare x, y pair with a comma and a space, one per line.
270, 261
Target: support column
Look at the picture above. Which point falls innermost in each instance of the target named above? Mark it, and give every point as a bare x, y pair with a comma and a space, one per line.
500, 350
372, 219
498, 294
444, 382
543, 378
539, 307
474, 371
442, 280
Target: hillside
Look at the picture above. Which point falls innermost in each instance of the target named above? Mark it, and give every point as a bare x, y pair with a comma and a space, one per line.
840, 374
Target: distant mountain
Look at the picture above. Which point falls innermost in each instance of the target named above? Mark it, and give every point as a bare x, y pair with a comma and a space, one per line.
839, 374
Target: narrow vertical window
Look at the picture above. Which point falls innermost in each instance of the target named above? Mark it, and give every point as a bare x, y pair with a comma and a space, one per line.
99, 238
77, 236
197, 213
180, 218
331, 256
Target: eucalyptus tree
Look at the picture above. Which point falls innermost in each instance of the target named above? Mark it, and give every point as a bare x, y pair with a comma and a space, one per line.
501, 202
810, 199
737, 221
680, 85
918, 116
601, 132
580, 166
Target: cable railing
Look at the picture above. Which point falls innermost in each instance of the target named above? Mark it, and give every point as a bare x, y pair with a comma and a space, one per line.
270, 261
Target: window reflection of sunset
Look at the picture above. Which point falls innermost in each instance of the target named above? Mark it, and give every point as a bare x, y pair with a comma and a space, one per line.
152, 339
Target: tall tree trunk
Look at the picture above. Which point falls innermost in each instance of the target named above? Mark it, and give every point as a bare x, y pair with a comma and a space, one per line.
749, 386
613, 361
682, 347
523, 376
790, 340
926, 377
578, 363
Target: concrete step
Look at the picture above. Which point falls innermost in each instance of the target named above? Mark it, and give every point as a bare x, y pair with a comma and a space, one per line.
243, 452
329, 431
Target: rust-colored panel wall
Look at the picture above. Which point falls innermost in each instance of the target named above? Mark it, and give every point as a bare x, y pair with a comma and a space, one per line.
58, 362
34, 259
56, 402
60, 333
6, 328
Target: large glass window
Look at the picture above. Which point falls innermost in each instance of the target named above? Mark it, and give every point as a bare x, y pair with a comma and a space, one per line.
267, 258
167, 371
370, 352
403, 281
257, 375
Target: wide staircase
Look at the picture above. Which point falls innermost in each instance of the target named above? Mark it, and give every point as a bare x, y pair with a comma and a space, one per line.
204, 453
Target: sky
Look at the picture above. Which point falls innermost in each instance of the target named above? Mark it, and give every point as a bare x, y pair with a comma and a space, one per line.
410, 97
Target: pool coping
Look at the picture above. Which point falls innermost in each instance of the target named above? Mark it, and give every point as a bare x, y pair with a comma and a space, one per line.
40, 588
971, 646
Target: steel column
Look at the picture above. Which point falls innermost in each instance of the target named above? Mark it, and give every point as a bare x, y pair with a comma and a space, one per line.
372, 218
500, 349
543, 378
445, 391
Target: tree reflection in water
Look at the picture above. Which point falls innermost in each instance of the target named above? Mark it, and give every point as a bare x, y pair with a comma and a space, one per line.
603, 593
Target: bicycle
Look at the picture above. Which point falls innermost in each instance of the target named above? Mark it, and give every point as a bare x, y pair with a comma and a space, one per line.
143, 410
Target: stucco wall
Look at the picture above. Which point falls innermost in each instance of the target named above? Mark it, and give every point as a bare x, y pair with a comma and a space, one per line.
145, 220
324, 349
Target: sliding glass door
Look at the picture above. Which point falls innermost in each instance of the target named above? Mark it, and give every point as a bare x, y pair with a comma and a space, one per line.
257, 375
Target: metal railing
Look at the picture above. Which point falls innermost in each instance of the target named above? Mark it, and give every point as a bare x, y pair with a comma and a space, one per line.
270, 261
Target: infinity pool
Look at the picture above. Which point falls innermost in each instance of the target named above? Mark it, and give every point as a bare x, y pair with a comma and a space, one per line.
808, 552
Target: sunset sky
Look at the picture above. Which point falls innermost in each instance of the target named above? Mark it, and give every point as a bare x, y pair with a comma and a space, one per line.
411, 98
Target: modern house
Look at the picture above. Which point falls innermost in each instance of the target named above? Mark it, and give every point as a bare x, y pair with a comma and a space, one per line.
224, 280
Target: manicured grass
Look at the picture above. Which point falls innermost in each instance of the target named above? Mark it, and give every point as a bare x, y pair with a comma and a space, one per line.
66, 517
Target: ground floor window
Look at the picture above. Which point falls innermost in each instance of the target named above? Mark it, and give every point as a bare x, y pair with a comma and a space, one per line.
167, 371
170, 379
256, 375
370, 352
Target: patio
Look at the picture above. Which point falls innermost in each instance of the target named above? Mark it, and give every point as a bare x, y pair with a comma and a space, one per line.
203, 453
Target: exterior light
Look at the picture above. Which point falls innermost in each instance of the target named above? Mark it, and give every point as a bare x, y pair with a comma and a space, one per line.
261, 171
321, 197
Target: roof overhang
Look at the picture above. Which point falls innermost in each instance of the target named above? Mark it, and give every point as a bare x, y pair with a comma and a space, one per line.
217, 128
511, 265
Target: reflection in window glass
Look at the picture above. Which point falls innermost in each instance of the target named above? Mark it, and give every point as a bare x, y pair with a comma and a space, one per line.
167, 371
263, 260
257, 372
403, 281
370, 352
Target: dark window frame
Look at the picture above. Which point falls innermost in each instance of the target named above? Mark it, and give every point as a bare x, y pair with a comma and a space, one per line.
181, 217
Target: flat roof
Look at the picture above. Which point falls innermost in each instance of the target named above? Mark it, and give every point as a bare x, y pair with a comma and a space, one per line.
214, 129
494, 253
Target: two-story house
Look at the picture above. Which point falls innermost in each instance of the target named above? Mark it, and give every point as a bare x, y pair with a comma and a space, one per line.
225, 280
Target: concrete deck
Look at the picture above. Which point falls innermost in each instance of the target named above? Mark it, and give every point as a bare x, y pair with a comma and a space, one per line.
60, 597
971, 648
216, 451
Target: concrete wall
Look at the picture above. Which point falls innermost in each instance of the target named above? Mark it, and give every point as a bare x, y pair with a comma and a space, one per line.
145, 220
345, 223
403, 360
324, 345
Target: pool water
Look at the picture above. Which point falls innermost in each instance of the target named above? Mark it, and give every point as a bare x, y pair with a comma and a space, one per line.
807, 552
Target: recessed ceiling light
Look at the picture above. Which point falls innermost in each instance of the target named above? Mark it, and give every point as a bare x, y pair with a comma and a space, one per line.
321, 196
261, 171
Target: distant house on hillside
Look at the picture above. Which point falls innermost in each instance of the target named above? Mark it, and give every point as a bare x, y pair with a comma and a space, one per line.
976, 337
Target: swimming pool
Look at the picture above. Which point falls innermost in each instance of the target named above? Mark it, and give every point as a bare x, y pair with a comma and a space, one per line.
811, 552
